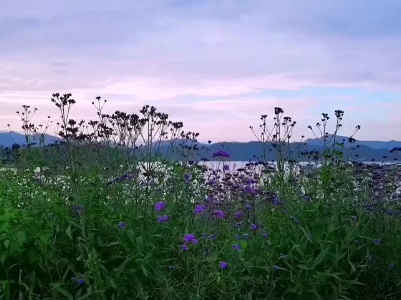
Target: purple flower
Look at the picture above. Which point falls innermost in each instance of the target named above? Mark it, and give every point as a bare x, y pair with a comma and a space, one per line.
250, 180
221, 154
219, 214
199, 209
163, 219
223, 265
187, 178
377, 241
78, 209
189, 238
248, 207
265, 235
239, 215
122, 225
250, 190
184, 248
78, 280
276, 201
236, 247
159, 206
211, 182
254, 227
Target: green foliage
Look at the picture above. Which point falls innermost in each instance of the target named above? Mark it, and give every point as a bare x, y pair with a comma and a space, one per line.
81, 231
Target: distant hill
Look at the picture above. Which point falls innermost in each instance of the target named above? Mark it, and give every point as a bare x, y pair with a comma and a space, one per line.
252, 151
7, 139
371, 144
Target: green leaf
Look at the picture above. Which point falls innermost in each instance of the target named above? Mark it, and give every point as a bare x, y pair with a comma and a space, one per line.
352, 266
68, 232
304, 267
7, 243
321, 256
44, 239
57, 288
3, 257
243, 244
139, 243
145, 271
111, 244
21, 237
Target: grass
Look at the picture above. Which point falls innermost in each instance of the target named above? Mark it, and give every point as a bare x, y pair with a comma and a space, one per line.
82, 230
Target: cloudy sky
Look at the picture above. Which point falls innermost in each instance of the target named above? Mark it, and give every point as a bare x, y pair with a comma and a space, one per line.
216, 65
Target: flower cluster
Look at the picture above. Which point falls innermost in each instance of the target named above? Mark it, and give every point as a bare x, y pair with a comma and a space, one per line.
159, 206
188, 239
221, 153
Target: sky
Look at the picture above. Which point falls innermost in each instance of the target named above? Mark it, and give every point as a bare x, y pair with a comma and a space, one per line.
216, 65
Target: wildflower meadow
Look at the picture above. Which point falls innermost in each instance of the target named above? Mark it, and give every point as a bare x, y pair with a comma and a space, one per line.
103, 213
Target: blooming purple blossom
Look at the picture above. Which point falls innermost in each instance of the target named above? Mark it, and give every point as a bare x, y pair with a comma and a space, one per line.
377, 241
219, 214
184, 248
187, 178
221, 153
223, 265
254, 227
122, 225
163, 219
250, 180
211, 182
236, 247
199, 209
250, 190
190, 238
276, 201
239, 215
159, 206
78, 280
